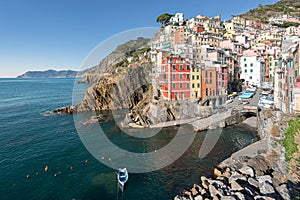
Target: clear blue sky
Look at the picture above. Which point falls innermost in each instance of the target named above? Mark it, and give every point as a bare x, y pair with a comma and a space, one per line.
44, 34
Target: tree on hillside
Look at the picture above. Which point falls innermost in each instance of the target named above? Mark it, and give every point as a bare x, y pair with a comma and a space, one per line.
164, 18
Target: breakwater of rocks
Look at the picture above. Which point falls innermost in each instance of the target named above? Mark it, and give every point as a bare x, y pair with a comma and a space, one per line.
247, 178
255, 172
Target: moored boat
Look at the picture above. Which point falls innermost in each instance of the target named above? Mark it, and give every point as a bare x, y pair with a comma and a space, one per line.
122, 176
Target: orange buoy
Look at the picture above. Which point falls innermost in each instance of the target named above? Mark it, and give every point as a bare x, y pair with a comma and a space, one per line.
46, 168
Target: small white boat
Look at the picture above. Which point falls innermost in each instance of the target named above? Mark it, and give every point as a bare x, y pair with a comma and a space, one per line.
122, 176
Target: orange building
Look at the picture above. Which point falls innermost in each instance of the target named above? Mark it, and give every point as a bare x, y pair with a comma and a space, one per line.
179, 36
208, 82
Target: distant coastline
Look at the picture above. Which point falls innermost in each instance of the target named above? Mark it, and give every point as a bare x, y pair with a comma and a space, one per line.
49, 74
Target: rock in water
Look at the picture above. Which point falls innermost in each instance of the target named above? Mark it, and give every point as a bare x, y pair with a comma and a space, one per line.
194, 191
177, 197
217, 172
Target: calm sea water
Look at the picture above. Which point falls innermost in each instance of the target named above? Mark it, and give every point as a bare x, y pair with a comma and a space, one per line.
30, 139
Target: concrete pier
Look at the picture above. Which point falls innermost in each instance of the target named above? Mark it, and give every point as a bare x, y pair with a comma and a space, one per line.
214, 120
250, 151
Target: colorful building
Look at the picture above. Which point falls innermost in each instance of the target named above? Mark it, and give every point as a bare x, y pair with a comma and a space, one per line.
179, 36
222, 80
208, 82
196, 82
174, 79
253, 70
286, 90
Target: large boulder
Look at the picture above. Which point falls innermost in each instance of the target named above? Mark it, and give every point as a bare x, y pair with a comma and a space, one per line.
217, 172
249, 191
228, 198
239, 196
259, 197
235, 186
204, 182
265, 178
198, 198
194, 191
247, 171
283, 191
214, 193
240, 178
253, 182
259, 164
177, 197
266, 188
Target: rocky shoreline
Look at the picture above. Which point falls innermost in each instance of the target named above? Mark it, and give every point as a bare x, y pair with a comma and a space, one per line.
255, 172
249, 178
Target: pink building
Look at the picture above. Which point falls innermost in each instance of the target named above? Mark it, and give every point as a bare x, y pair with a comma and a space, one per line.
297, 95
222, 79
235, 46
226, 44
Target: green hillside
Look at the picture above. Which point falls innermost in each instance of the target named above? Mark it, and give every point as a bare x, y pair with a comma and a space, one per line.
262, 13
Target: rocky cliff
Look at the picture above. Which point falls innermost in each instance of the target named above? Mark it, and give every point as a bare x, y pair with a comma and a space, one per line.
117, 59
111, 93
119, 81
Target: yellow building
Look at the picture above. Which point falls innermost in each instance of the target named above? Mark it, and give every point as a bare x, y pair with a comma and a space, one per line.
229, 35
196, 82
